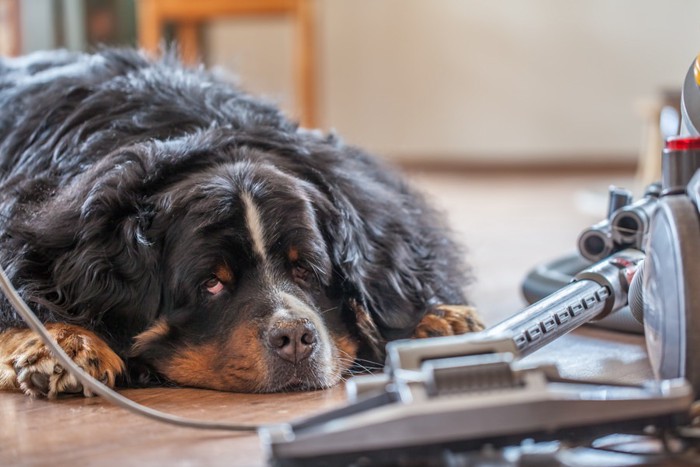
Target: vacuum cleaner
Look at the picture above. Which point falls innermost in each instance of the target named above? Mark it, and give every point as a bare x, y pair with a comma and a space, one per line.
465, 400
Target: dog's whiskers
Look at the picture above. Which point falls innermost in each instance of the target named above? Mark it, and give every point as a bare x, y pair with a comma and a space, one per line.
357, 365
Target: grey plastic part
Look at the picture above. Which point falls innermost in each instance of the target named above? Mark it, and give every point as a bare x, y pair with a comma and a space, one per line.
617, 198
672, 297
527, 403
596, 242
678, 167
631, 223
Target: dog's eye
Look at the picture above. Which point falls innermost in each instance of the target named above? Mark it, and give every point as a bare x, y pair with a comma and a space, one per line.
300, 273
213, 285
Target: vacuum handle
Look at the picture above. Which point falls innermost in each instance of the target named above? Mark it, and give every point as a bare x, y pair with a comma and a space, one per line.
596, 292
553, 316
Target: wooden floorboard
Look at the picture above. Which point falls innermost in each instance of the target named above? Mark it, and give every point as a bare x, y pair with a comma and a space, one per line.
90, 431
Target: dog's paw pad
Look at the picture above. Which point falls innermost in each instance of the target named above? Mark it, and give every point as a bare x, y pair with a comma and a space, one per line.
448, 320
39, 373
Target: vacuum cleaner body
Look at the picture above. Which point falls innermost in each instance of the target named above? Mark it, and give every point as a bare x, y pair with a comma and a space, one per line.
443, 397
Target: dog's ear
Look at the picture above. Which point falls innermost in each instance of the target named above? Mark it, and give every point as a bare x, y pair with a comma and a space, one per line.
389, 250
87, 256
372, 260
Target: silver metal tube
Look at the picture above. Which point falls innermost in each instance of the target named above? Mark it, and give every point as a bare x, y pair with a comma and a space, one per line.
598, 291
553, 316
617, 199
596, 242
631, 223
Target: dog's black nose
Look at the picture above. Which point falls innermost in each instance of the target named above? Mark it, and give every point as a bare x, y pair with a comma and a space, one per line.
293, 340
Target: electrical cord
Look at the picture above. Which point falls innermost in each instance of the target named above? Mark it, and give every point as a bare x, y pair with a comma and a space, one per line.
97, 387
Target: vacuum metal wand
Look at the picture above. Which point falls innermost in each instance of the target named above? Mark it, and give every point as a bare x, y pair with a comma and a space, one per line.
596, 292
553, 316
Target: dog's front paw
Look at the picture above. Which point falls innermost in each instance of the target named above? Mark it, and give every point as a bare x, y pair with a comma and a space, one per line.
448, 320
38, 373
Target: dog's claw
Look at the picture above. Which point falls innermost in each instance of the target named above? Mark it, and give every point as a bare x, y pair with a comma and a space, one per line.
40, 382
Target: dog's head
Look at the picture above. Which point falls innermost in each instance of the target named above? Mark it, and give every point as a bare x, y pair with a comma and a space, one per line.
248, 276
225, 267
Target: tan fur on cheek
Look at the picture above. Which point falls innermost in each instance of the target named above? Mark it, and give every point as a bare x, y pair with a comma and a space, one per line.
347, 350
191, 366
368, 328
237, 365
158, 330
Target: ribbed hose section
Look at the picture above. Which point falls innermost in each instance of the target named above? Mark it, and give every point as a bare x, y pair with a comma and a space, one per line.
636, 294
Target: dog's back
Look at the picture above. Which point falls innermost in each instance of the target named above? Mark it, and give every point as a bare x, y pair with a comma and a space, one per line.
57, 104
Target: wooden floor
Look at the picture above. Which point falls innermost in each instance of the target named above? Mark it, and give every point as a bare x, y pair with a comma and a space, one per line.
509, 223
82, 432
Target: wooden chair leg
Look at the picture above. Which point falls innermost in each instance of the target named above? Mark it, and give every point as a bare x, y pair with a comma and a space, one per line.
188, 42
150, 25
304, 73
151, 21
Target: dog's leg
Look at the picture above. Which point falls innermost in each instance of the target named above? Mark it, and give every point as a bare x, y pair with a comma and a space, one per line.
27, 364
448, 320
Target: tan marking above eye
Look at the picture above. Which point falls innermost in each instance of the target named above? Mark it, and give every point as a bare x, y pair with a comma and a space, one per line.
347, 350
224, 274
293, 255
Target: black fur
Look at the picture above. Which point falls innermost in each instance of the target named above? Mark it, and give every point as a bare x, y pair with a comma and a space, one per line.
108, 168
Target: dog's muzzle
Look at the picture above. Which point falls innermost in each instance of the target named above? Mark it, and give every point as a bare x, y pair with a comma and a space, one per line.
293, 340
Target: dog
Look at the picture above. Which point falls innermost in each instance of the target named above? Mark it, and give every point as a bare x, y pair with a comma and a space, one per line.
169, 228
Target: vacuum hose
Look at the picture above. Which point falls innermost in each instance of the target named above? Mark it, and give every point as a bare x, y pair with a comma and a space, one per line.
636, 294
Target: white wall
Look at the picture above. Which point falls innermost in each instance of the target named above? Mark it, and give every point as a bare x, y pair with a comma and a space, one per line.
479, 80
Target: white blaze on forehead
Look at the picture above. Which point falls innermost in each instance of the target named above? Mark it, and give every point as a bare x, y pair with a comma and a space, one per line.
255, 226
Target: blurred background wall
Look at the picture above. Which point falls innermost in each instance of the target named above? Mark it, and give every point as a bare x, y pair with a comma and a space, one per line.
512, 82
